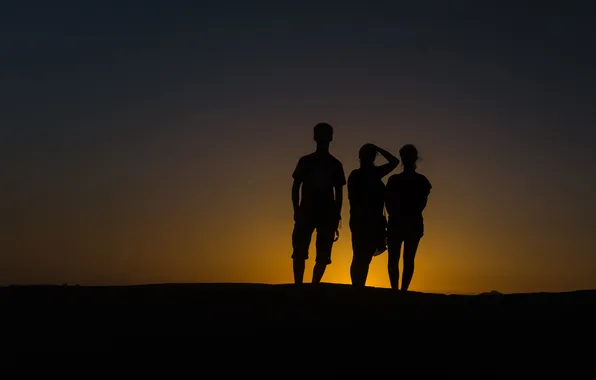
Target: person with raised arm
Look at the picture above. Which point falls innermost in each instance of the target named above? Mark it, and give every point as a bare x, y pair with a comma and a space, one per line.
366, 194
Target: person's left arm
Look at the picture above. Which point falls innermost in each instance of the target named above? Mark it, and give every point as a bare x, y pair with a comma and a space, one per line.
339, 183
427, 188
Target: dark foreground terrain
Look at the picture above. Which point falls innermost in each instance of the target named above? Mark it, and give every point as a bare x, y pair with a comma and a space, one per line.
332, 326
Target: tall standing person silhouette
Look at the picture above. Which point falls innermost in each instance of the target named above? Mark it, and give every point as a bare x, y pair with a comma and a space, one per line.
317, 197
366, 194
405, 199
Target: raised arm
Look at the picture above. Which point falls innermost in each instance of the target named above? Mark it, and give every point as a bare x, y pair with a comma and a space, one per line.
392, 162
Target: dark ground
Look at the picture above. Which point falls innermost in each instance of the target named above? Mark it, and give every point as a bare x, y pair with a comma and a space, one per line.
329, 326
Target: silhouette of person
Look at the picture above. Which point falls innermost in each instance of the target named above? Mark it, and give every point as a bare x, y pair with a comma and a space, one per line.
405, 199
366, 193
317, 196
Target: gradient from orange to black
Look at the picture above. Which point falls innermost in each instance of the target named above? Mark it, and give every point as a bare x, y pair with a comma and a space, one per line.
147, 143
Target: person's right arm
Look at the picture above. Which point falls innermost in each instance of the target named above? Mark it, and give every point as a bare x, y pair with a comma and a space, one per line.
339, 183
296, 195
298, 176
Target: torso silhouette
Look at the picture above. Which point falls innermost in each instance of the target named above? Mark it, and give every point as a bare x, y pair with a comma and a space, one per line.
366, 192
319, 173
406, 197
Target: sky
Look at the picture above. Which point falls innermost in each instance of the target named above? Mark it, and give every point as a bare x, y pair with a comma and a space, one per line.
150, 142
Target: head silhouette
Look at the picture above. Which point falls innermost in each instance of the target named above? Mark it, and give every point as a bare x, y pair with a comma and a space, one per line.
323, 133
409, 156
367, 155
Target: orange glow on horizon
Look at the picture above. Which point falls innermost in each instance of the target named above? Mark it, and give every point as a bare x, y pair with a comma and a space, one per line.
234, 224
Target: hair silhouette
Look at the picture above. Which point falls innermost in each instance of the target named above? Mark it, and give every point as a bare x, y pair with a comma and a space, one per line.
323, 133
367, 154
409, 155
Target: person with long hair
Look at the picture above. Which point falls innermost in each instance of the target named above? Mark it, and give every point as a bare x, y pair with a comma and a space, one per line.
366, 193
405, 199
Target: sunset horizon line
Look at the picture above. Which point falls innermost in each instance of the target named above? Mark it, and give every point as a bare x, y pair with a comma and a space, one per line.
347, 285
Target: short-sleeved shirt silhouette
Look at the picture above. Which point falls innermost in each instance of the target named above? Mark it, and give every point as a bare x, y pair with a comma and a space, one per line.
366, 192
319, 173
405, 197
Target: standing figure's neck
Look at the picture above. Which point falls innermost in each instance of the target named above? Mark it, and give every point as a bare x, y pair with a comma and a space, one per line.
409, 168
322, 148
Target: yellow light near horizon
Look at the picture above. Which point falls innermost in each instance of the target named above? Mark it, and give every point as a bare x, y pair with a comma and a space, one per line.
449, 259
274, 265
339, 272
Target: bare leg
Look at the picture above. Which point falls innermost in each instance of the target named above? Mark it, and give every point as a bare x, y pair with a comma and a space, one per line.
354, 272
358, 272
365, 268
301, 237
410, 248
394, 252
318, 272
324, 245
299, 266
359, 266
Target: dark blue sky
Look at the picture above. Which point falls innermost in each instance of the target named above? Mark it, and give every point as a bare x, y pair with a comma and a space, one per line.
114, 114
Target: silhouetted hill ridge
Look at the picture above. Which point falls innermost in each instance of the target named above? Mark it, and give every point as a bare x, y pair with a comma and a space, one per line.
250, 320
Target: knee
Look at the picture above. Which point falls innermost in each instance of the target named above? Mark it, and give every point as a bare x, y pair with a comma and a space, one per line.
300, 251
392, 263
300, 245
299, 256
409, 263
322, 262
358, 262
